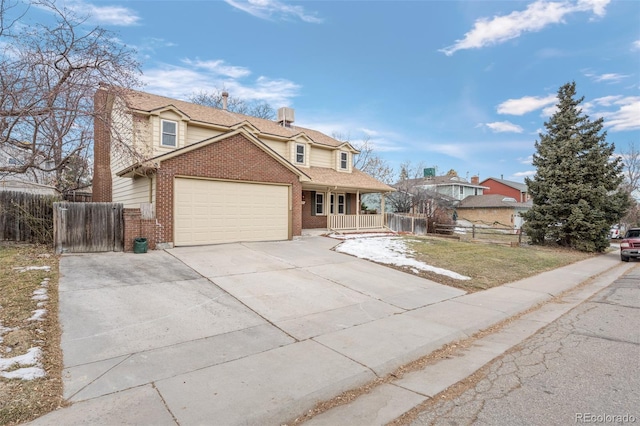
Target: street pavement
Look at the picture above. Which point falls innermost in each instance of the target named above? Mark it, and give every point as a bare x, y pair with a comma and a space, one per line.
259, 333
581, 368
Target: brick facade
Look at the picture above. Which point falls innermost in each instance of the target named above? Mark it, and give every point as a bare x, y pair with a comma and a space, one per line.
502, 189
234, 158
314, 222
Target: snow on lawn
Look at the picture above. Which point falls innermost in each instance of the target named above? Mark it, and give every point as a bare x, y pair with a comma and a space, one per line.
29, 364
390, 251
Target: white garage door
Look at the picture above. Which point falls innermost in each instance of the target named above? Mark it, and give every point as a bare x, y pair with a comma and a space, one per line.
212, 212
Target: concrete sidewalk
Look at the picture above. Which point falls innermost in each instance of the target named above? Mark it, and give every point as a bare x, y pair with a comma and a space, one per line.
259, 333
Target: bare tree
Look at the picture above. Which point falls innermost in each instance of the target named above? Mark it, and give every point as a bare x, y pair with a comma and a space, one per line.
408, 193
631, 184
48, 76
215, 99
631, 160
368, 160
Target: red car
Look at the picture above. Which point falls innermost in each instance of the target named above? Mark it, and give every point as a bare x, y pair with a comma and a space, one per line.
630, 245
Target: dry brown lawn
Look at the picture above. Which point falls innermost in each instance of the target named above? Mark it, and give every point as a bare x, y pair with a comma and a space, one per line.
487, 264
23, 400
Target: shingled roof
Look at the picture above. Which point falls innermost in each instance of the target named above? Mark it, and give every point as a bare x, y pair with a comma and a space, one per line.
492, 201
149, 103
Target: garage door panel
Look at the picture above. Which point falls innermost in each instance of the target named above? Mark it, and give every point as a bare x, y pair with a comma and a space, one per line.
210, 212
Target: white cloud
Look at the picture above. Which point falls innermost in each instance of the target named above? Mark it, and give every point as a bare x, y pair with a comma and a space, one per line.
504, 126
625, 118
527, 173
218, 67
108, 15
607, 78
267, 9
535, 17
635, 45
181, 81
525, 104
527, 160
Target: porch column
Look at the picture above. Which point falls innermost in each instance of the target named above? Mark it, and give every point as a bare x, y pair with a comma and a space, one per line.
329, 209
358, 210
382, 206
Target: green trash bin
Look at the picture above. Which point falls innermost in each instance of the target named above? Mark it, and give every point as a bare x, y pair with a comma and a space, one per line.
140, 245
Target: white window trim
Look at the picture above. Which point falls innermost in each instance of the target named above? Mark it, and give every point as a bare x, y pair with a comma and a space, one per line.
346, 161
162, 133
304, 153
335, 201
315, 204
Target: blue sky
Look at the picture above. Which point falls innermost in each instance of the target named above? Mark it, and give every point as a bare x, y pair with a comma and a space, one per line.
453, 85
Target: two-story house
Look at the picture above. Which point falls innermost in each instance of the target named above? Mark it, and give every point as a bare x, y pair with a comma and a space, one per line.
453, 186
208, 175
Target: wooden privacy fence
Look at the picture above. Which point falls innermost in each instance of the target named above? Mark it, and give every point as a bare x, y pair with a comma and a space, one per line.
26, 217
88, 227
411, 224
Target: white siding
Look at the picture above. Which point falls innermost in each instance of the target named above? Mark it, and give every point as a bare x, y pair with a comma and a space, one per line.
197, 134
322, 158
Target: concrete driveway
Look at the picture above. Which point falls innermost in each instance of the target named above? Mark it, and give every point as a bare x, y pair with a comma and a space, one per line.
133, 319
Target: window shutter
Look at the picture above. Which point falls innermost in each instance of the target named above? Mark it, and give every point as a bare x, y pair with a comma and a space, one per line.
313, 203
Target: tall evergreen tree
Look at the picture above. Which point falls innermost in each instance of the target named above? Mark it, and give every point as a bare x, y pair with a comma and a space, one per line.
576, 189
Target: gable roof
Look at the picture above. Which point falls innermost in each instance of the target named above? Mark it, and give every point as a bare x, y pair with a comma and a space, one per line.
148, 103
152, 163
515, 185
492, 201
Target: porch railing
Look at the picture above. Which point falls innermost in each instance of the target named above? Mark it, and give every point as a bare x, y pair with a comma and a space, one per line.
356, 222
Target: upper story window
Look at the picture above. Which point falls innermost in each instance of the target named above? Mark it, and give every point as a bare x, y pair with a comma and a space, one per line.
461, 190
344, 160
300, 154
169, 133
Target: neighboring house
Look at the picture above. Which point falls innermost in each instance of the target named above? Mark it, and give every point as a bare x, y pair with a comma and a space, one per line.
18, 185
493, 209
451, 186
209, 175
32, 181
507, 188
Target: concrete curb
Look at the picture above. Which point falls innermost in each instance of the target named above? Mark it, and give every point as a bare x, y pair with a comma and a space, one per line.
391, 400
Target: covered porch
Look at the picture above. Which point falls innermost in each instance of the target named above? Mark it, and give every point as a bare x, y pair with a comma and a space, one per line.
332, 201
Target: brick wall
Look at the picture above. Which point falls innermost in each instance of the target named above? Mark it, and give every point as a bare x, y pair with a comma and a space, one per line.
504, 216
101, 147
309, 221
135, 226
234, 158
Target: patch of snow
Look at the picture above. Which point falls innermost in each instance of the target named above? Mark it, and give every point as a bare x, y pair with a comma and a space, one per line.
40, 294
390, 251
38, 315
32, 357
26, 373
32, 268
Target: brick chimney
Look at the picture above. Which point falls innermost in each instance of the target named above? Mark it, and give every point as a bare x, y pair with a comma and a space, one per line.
475, 180
102, 104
